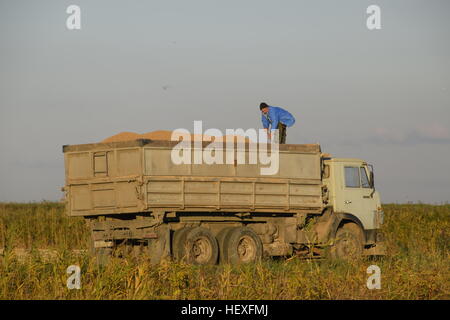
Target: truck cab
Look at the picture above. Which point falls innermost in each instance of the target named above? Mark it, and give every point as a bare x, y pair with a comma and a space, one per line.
352, 195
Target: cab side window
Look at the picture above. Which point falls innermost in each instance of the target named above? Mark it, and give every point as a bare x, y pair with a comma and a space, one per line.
364, 179
352, 177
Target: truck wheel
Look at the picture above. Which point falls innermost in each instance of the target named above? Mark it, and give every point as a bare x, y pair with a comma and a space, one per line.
178, 243
221, 241
349, 242
242, 245
201, 247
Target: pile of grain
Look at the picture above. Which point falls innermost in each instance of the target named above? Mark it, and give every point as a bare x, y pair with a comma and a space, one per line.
127, 136
153, 135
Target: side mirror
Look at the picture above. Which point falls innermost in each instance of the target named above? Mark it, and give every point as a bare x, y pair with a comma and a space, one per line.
372, 182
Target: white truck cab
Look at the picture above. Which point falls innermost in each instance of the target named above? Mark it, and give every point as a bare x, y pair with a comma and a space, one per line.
351, 192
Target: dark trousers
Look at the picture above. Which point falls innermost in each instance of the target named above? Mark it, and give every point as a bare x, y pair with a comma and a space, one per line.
282, 132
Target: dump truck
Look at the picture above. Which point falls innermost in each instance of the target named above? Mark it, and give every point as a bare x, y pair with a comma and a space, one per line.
135, 199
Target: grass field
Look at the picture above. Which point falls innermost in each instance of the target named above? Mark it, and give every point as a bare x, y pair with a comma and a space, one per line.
417, 265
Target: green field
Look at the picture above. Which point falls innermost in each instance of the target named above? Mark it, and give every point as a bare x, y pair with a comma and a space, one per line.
417, 265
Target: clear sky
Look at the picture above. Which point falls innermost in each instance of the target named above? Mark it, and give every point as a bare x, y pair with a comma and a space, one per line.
381, 95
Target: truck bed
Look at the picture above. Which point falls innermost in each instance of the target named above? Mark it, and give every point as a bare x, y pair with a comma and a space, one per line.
139, 176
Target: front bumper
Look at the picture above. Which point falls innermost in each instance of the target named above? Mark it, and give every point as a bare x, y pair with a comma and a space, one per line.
378, 249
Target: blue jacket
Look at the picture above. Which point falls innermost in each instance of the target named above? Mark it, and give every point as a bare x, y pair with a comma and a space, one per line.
275, 115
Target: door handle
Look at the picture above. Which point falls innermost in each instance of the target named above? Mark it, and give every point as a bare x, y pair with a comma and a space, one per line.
347, 201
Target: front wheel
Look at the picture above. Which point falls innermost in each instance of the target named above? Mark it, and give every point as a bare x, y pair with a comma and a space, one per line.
349, 242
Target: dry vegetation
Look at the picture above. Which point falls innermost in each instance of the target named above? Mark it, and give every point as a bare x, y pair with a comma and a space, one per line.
418, 265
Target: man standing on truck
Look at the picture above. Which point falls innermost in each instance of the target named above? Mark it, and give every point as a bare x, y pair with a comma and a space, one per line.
276, 118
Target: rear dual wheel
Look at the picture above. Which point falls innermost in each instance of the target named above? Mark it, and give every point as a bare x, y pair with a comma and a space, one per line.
240, 246
195, 246
198, 245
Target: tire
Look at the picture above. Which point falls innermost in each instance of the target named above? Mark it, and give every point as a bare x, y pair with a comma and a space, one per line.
221, 241
178, 243
201, 247
242, 245
349, 242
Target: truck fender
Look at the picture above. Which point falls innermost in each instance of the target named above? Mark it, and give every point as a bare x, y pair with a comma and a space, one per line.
341, 218
326, 225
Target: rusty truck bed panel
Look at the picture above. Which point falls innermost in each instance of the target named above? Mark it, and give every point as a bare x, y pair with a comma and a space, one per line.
137, 176
307, 148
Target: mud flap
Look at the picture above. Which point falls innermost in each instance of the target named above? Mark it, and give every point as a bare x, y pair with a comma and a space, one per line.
159, 247
379, 249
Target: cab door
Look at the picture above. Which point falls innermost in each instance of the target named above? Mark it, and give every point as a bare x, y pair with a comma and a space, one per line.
369, 203
356, 195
